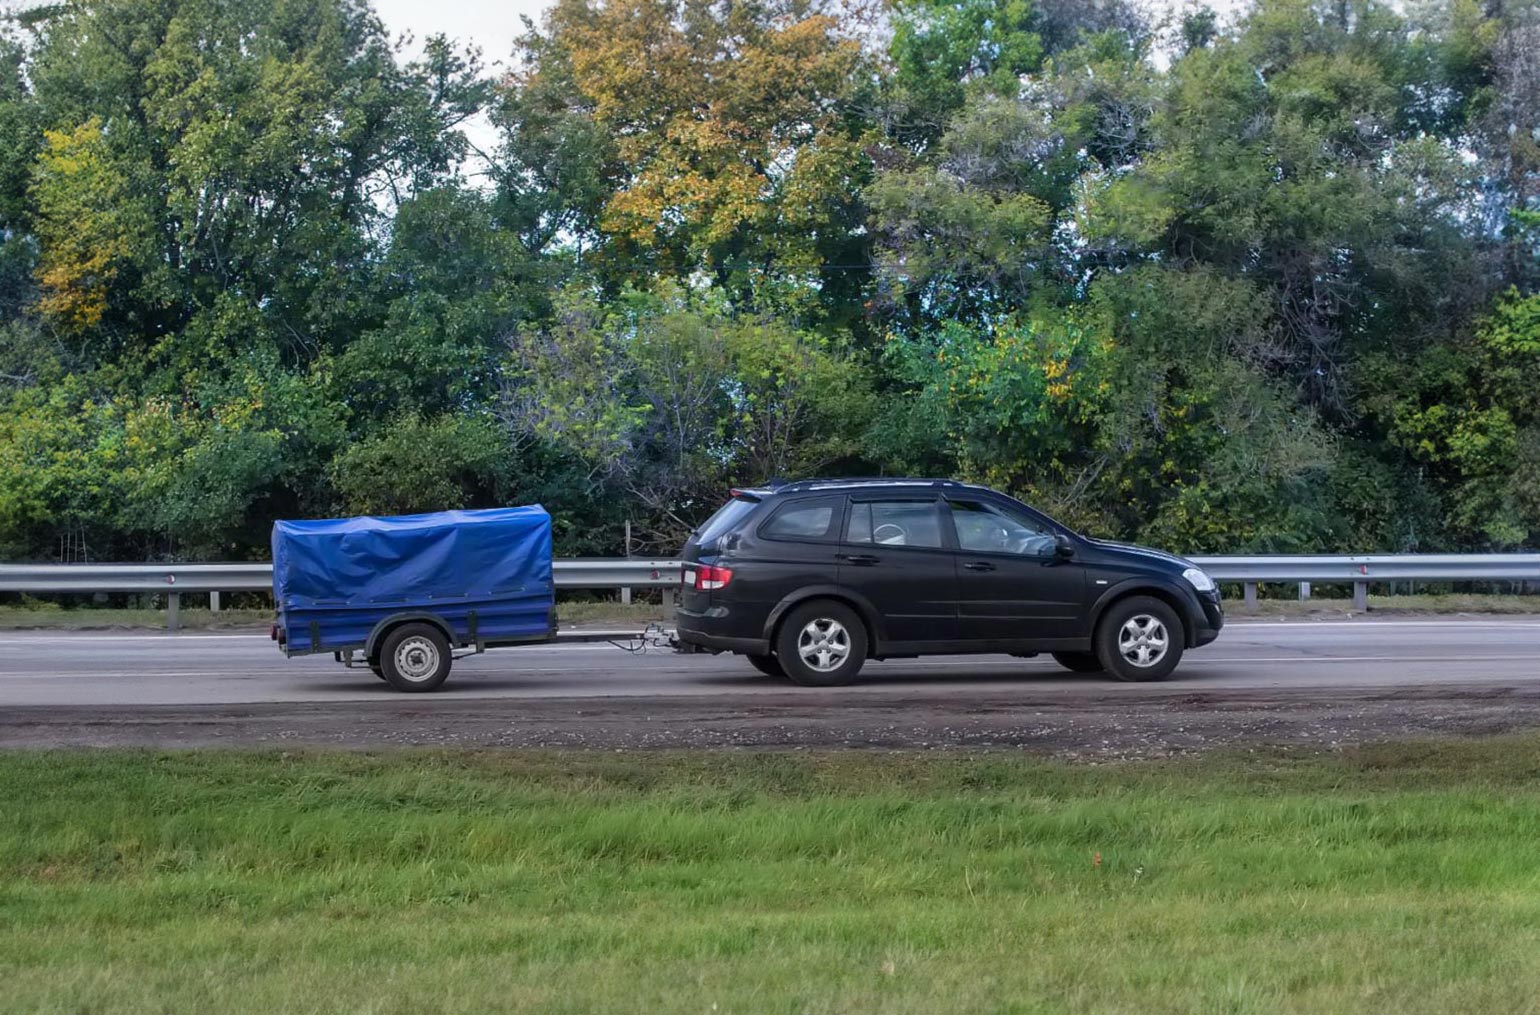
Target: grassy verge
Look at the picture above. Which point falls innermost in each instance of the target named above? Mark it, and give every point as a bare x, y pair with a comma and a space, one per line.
101, 619
619, 614
95, 619
1385, 879
594, 613
1409, 605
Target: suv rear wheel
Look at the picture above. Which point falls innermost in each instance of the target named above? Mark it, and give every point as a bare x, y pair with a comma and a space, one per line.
1140, 638
1080, 662
821, 644
770, 666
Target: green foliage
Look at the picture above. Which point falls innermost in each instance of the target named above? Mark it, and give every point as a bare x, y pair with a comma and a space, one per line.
1272, 289
414, 464
675, 398
1470, 416
1125, 416
942, 52
693, 136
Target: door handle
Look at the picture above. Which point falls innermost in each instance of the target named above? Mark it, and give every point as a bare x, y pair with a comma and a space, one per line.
861, 559
978, 565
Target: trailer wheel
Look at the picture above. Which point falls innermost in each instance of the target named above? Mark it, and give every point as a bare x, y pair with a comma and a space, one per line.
415, 657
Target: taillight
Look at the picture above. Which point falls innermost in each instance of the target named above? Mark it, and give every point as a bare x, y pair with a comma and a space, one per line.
709, 579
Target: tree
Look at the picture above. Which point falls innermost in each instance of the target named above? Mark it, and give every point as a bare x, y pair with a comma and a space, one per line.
726, 138
414, 464
673, 398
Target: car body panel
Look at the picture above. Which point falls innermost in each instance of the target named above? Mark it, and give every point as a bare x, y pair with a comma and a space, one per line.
919, 600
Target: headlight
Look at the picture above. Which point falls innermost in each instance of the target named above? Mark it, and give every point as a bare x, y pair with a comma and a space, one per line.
1198, 580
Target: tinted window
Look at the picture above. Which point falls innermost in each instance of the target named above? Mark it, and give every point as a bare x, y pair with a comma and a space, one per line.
725, 520
894, 523
807, 519
986, 528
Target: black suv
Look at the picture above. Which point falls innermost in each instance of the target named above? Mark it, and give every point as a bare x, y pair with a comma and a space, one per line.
813, 578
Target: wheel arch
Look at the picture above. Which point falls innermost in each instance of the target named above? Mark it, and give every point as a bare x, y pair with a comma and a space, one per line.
395, 620
1166, 592
870, 618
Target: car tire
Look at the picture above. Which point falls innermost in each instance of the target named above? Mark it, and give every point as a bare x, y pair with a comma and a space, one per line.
821, 644
1080, 662
376, 668
1140, 628
415, 657
769, 665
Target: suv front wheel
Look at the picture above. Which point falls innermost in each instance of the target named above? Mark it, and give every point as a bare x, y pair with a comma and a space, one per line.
821, 644
1140, 638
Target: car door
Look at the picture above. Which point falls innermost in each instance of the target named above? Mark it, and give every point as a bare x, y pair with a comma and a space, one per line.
1012, 584
895, 556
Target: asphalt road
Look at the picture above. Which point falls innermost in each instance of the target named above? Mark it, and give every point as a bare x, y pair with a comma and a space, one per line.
1255, 657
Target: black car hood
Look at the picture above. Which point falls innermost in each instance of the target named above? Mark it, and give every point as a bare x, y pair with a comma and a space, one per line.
1140, 551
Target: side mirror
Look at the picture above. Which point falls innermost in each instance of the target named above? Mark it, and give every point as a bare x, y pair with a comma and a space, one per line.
1063, 548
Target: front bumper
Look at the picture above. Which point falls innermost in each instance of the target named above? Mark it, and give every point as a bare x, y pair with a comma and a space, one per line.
1212, 621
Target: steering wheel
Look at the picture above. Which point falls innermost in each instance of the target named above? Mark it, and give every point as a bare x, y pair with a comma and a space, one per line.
889, 534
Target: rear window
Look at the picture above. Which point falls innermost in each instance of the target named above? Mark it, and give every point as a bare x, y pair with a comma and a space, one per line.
726, 519
808, 520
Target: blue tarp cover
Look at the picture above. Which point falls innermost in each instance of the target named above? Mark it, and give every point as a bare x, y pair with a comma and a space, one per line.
413, 559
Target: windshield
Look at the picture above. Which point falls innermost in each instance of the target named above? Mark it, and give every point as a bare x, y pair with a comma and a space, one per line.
724, 521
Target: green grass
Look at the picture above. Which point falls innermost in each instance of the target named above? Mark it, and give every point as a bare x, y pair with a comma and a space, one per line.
93, 619
641, 613
1402, 878
636, 614
90, 618
1390, 605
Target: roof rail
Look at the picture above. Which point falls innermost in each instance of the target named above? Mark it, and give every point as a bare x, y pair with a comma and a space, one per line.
837, 481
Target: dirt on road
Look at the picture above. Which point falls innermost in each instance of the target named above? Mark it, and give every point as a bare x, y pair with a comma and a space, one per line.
1097, 723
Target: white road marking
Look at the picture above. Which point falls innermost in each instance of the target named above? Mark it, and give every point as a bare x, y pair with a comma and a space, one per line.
1246, 625
1284, 625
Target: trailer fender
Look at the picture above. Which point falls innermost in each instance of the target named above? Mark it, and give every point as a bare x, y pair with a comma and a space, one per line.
372, 644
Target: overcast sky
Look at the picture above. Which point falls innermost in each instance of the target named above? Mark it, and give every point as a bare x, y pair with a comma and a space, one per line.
490, 24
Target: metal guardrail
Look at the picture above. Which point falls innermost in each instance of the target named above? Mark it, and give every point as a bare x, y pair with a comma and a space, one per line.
1384, 568
178, 578
1359, 571
175, 579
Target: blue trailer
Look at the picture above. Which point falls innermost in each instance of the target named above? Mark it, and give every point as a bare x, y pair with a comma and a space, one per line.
402, 594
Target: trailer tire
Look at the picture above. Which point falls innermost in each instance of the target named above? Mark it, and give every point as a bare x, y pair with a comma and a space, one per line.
415, 657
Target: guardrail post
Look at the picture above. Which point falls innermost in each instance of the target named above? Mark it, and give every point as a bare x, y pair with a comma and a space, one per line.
173, 611
213, 602
1304, 591
1361, 596
668, 604
1250, 594
625, 590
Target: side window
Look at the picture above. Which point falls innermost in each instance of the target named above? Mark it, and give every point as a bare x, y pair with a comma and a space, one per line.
985, 528
803, 520
894, 523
